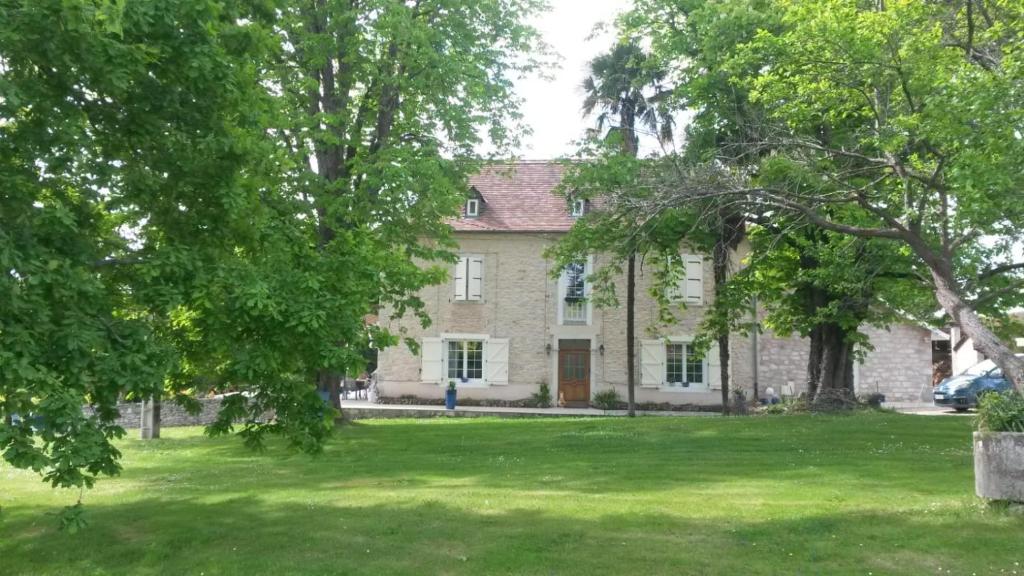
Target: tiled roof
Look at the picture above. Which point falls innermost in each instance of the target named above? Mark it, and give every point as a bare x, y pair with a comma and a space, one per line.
518, 197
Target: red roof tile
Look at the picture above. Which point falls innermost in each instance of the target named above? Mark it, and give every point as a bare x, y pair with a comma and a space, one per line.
519, 197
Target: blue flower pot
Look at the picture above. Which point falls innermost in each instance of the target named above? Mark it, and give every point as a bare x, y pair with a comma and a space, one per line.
449, 399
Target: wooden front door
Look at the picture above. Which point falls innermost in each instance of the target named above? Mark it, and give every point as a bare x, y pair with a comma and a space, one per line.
574, 377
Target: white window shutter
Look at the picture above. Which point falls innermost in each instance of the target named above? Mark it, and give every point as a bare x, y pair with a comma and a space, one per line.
652, 363
677, 291
460, 278
694, 279
714, 368
431, 354
496, 361
475, 270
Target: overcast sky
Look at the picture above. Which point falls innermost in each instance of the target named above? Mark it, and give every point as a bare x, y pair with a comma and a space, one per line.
552, 106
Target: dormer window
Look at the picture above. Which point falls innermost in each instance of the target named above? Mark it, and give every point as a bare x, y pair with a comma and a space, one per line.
472, 208
578, 207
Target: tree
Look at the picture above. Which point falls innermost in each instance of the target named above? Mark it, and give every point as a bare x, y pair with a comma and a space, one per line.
211, 195
123, 159
616, 86
699, 40
905, 116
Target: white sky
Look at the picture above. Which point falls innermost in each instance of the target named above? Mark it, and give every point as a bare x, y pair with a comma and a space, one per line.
552, 107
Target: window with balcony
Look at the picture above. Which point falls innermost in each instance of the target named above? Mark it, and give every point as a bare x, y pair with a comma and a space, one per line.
574, 306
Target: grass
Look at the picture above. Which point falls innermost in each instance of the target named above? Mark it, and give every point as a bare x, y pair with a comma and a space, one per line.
866, 494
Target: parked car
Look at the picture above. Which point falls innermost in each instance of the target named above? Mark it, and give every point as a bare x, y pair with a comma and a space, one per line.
961, 392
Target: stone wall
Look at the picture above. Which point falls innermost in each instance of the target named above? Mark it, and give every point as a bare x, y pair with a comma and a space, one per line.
171, 414
899, 366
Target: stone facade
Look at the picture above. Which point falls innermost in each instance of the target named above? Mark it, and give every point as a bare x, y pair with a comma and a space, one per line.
171, 414
520, 303
899, 366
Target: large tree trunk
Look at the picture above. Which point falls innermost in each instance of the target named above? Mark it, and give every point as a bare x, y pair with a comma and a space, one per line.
835, 390
968, 320
947, 293
730, 234
631, 333
330, 382
720, 265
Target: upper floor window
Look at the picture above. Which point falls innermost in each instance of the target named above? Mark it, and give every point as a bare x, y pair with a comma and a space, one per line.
578, 208
472, 208
575, 281
573, 305
469, 278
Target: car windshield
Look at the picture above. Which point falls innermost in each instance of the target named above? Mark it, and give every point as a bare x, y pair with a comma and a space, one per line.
981, 368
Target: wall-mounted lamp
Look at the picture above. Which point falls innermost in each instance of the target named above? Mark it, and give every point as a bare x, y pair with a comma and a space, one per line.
547, 348
600, 349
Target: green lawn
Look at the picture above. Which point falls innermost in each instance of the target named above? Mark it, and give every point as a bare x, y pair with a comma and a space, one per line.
872, 493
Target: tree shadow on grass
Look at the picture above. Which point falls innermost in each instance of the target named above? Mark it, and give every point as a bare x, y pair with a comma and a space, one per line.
249, 535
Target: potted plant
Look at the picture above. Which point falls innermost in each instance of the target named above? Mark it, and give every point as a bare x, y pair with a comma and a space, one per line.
449, 395
999, 447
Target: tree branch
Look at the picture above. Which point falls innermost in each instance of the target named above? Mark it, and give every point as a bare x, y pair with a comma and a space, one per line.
1002, 269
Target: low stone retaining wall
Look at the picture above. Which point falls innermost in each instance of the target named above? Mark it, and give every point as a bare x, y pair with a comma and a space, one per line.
420, 401
348, 414
171, 414
530, 403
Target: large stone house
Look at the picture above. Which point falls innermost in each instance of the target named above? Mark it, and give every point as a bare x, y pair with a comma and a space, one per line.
502, 325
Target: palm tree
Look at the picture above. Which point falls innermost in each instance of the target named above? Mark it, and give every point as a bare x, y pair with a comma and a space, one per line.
618, 87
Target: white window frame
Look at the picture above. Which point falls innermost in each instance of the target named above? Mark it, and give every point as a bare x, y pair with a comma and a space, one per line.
466, 263
578, 208
701, 386
472, 208
484, 339
464, 354
563, 290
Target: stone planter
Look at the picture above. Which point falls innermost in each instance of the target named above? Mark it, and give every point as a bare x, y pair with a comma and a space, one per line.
999, 465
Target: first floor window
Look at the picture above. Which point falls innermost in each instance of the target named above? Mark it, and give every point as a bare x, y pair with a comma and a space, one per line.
465, 360
683, 367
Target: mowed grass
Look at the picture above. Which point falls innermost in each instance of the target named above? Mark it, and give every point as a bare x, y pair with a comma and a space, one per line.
866, 494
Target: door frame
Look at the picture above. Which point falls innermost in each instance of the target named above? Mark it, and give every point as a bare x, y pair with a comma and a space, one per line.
574, 345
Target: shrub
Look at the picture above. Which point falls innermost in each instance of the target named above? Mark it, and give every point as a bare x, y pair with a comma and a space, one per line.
607, 399
874, 400
1001, 412
788, 406
542, 398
